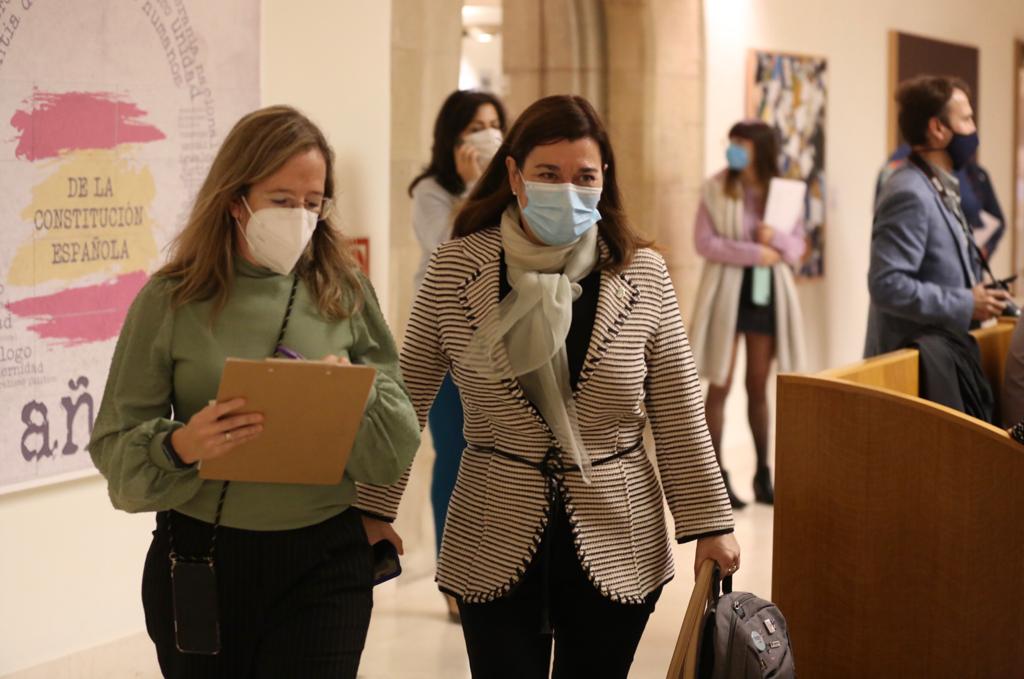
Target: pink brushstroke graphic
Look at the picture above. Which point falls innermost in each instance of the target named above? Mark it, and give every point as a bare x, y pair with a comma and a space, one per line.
81, 315
57, 123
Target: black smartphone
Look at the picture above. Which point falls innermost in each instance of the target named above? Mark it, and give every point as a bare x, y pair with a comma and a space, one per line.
385, 562
196, 623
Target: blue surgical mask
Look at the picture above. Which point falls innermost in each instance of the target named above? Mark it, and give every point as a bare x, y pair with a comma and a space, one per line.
737, 157
558, 214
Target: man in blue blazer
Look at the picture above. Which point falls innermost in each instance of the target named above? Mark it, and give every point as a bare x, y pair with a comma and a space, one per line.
922, 273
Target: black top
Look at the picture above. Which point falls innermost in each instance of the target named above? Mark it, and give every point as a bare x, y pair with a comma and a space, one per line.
584, 311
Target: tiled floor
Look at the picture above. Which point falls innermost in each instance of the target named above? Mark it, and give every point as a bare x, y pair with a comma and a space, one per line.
411, 637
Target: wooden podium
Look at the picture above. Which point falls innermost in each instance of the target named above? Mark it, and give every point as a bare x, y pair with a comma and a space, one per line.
899, 550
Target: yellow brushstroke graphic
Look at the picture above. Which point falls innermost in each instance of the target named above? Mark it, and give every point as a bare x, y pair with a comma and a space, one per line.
92, 215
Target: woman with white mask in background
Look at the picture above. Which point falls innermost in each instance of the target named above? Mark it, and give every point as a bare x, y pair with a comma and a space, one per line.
259, 270
468, 131
560, 327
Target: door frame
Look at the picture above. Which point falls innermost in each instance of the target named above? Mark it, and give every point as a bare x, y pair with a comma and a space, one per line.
1017, 201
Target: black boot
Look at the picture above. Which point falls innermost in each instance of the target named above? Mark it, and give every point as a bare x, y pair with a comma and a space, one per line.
763, 492
733, 500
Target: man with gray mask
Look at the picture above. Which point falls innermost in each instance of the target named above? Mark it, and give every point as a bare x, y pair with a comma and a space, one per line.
922, 272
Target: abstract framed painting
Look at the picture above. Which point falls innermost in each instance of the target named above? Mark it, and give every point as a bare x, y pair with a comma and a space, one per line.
789, 92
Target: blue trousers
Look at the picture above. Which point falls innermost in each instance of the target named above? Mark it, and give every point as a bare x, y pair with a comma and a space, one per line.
445, 419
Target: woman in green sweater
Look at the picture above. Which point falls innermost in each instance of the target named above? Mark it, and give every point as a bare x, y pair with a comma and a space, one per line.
293, 563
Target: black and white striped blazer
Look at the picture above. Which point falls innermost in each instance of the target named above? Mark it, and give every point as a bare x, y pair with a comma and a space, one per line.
638, 367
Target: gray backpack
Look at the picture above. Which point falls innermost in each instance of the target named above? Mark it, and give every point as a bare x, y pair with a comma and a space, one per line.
743, 637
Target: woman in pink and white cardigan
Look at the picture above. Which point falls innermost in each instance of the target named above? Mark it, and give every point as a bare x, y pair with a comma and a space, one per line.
746, 289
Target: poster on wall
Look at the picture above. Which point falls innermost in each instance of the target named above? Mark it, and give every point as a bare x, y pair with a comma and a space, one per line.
788, 92
110, 115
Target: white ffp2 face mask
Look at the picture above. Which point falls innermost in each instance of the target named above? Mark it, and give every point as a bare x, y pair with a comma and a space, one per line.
486, 142
277, 236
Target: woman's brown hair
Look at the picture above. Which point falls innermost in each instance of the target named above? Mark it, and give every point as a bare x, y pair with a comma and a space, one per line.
202, 261
766, 154
548, 121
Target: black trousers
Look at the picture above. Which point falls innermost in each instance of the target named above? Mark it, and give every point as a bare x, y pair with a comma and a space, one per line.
292, 603
593, 636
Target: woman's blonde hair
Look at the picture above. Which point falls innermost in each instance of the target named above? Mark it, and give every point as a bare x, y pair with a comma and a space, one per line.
202, 260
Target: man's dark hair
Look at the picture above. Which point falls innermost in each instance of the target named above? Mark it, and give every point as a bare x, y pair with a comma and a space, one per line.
922, 98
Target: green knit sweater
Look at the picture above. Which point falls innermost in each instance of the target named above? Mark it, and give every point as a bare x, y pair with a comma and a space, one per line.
167, 367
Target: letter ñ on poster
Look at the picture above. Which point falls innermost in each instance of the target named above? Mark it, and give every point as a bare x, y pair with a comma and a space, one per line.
35, 440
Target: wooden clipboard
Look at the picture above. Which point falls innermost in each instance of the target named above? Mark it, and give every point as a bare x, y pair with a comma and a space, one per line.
312, 412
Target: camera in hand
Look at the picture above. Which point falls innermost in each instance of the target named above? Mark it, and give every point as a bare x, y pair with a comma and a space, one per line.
1011, 310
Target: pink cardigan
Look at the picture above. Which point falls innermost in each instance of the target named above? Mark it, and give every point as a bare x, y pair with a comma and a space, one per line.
747, 252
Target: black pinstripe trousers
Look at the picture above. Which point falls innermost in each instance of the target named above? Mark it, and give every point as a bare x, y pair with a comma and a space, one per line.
292, 603
592, 636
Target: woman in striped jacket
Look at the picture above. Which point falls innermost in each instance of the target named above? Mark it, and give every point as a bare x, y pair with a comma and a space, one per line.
564, 340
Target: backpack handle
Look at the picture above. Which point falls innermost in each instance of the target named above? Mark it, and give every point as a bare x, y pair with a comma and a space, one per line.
719, 585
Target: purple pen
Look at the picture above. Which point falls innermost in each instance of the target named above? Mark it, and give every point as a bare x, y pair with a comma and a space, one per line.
288, 353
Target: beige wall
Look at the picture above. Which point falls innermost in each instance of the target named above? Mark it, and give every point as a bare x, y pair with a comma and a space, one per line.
655, 118
854, 38
72, 565
333, 61
70, 573
426, 47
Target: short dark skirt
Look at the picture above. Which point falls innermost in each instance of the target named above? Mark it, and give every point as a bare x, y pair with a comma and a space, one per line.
753, 319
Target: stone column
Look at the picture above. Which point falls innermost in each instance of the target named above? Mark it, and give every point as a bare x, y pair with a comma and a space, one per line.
554, 47
426, 46
641, 63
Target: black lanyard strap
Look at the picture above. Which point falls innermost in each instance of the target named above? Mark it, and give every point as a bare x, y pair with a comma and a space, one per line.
208, 558
945, 193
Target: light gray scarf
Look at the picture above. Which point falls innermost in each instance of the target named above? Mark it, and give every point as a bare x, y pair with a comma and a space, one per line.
531, 324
